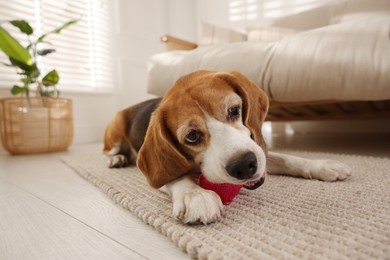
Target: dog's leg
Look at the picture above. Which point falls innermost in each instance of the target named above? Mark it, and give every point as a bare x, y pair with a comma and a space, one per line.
120, 156
115, 159
193, 204
326, 170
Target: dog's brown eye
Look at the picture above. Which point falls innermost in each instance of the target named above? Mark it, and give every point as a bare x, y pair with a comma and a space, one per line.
233, 113
194, 137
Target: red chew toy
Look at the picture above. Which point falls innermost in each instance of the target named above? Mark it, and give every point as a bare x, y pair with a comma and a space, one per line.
226, 191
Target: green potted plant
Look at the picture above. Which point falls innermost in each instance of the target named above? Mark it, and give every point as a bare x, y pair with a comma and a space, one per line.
38, 120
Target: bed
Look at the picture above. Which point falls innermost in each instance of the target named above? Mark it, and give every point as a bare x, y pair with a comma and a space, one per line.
337, 68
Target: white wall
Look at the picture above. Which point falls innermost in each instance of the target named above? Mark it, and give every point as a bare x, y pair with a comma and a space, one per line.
182, 19
139, 26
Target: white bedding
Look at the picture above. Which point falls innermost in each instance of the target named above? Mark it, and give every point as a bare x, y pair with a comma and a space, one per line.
346, 61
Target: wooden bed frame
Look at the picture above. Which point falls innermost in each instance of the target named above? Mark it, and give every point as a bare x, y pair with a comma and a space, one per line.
303, 111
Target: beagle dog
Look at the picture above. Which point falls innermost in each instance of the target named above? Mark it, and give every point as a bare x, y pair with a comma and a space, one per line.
207, 122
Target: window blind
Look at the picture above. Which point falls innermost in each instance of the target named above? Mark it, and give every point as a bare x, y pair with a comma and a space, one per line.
83, 50
10, 10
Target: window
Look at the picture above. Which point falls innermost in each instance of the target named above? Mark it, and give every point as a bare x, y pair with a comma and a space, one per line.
83, 50
246, 10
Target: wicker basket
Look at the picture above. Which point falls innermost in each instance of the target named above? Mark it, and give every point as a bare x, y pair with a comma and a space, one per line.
40, 125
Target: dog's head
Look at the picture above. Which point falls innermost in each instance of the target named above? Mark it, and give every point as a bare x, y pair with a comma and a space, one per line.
208, 122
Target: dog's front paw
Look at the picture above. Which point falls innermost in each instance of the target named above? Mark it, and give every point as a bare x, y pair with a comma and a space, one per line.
117, 161
198, 206
330, 170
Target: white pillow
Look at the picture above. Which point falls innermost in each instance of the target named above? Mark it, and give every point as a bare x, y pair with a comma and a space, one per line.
269, 34
211, 34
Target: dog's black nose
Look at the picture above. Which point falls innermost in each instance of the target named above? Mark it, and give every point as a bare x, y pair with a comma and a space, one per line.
244, 167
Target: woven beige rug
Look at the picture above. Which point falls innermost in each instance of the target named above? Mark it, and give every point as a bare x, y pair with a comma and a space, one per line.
286, 218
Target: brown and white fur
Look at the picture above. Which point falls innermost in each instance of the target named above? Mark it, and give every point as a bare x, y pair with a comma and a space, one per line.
207, 122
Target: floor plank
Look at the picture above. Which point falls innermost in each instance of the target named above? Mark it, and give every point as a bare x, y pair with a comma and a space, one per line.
32, 229
53, 182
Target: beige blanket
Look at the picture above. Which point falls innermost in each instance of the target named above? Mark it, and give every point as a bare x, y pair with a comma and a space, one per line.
344, 61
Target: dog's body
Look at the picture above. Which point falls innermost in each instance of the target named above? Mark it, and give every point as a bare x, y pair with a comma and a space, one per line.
208, 122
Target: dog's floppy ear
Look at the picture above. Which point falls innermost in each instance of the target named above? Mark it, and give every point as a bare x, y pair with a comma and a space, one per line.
255, 103
159, 159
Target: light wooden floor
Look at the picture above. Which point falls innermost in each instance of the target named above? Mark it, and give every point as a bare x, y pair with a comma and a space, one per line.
47, 211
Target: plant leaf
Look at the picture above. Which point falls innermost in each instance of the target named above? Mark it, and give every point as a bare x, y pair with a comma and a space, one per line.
45, 52
26, 81
23, 26
50, 93
31, 70
34, 73
17, 90
58, 30
10, 46
20, 65
51, 78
